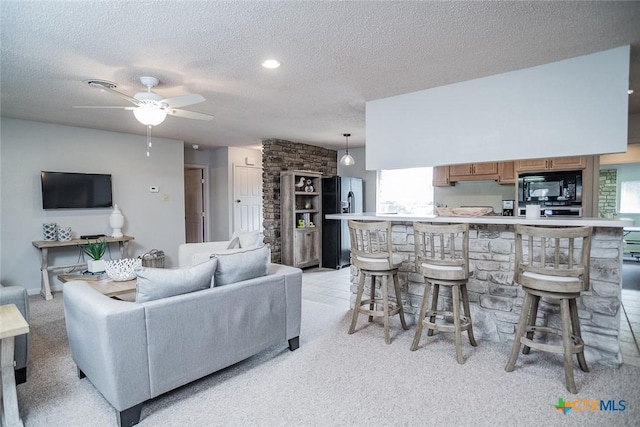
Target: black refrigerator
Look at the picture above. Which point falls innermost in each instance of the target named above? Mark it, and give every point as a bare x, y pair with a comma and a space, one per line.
340, 194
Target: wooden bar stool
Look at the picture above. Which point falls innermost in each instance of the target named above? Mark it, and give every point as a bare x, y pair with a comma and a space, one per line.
442, 257
552, 263
372, 253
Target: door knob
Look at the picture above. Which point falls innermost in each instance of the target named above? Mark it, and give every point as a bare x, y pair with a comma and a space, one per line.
238, 201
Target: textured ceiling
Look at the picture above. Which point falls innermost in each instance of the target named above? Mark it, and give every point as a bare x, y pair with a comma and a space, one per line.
335, 56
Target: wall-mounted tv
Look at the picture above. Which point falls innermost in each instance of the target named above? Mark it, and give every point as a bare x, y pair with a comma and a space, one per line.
67, 190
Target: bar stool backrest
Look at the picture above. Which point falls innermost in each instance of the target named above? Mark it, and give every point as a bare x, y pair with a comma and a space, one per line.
371, 247
560, 254
442, 250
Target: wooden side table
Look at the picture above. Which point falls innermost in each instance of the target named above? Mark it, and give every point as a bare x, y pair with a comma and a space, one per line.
11, 324
45, 245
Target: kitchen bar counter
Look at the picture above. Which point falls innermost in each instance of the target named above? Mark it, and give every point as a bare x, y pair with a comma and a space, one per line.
489, 219
496, 300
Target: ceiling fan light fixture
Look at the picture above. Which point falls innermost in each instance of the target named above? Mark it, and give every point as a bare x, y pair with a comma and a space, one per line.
149, 115
271, 63
347, 159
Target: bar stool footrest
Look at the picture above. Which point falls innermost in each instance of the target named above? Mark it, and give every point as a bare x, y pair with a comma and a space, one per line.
465, 322
577, 345
393, 308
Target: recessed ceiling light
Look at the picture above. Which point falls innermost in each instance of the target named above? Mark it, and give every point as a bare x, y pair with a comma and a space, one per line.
630, 91
271, 63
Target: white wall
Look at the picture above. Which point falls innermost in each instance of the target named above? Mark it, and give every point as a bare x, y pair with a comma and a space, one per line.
578, 106
220, 161
155, 220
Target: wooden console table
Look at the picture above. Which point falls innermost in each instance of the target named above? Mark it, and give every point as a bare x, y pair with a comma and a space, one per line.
45, 245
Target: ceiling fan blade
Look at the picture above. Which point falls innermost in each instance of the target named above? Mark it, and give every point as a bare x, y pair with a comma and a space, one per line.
104, 106
189, 114
115, 92
183, 100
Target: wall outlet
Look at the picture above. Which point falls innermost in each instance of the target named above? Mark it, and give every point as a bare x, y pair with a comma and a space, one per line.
154, 189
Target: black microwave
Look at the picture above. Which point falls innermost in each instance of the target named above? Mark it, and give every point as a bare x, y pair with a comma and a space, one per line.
550, 188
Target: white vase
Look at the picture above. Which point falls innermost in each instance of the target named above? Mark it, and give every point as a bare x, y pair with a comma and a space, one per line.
116, 221
96, 265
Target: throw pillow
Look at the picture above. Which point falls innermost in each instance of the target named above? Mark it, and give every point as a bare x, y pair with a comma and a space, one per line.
156, 283
242, 265
248, 239
234, 243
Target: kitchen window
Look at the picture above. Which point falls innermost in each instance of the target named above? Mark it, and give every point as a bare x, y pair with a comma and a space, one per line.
630, 197
405, 191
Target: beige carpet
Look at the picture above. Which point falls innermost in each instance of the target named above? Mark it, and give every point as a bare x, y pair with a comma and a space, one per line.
336, 379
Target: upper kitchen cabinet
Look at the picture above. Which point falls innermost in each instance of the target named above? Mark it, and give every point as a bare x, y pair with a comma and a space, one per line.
473, 172
441, 176
556, 163
507, 173
503, 172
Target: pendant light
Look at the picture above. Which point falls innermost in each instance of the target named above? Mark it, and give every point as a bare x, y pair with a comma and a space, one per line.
347, 159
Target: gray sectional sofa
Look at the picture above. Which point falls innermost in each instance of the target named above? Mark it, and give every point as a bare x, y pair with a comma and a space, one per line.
135, 351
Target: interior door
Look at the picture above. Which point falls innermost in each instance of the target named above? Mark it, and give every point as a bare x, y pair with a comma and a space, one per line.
247, 198
194, 205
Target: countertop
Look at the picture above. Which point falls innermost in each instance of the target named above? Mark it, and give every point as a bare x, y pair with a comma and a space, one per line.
487, 219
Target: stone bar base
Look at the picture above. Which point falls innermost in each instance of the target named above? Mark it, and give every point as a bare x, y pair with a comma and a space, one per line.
496, 300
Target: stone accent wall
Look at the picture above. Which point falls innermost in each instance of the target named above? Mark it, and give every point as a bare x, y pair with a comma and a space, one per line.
496, 300
607, 193
280, 155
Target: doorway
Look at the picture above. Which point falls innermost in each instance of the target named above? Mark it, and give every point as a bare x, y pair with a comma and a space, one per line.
247, 198
196, 204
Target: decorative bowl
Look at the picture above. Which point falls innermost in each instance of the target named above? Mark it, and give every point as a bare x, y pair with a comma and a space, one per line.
120, 270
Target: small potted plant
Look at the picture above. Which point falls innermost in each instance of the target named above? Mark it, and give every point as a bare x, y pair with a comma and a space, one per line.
95, 251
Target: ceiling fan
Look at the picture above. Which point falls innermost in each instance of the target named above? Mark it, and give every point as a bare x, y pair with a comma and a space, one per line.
149, 108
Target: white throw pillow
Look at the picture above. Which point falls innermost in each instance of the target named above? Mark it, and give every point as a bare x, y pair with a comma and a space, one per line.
248, 239
241, 265
156, 283
234, 243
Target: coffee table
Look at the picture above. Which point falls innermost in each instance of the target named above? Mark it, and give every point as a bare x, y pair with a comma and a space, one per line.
107, 286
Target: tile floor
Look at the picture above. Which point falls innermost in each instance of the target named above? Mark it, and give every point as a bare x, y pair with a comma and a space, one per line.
332, 287
630, 327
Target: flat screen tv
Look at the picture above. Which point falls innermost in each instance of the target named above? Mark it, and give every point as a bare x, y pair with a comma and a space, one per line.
67, 190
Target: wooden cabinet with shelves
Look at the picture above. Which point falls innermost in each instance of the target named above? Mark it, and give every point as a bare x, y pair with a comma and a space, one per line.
555, 163
301, 218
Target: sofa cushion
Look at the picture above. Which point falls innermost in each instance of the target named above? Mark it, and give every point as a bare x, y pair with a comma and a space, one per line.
247, 239
241, 265
156, 283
